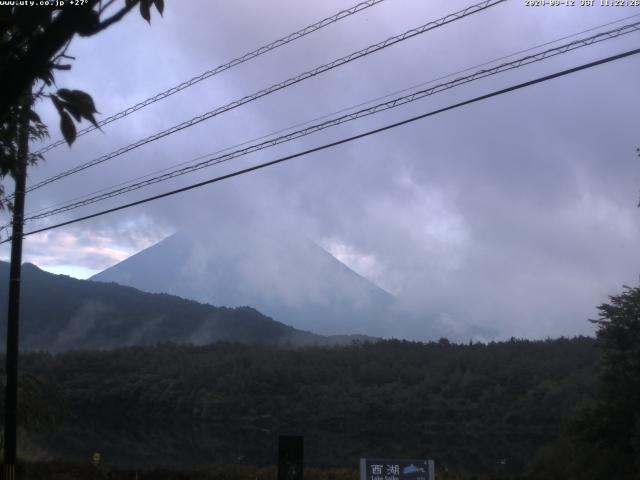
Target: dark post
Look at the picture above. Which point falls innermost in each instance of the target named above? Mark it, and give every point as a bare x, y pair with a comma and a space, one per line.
290, 457
11, 389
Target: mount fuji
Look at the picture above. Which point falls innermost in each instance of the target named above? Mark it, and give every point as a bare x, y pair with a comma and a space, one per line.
283, 275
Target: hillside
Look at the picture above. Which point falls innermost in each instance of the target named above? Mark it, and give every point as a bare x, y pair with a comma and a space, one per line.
464, 405
60, 313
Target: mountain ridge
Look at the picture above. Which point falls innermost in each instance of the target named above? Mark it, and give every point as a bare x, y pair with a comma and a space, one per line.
62, 313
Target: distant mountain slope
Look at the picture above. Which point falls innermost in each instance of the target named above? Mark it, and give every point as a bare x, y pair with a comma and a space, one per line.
281, 274
61, 313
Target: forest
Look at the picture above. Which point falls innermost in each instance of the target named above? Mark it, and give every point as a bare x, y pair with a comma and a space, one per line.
177, 406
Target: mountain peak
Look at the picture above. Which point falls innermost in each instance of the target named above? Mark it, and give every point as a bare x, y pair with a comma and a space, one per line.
283, 274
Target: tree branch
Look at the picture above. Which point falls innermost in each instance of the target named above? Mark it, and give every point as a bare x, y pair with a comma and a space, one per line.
21, 72
116, 17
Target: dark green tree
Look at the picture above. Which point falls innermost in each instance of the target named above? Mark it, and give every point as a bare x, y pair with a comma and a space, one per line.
619, 335
608, 434
33, 45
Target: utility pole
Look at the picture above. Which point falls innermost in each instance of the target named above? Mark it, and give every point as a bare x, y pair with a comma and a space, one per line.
15, 270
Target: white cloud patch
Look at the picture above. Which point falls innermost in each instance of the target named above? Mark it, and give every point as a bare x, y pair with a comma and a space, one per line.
81, 253
367, 265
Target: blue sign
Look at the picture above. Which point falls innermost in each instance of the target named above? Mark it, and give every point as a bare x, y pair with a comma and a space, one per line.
386, 469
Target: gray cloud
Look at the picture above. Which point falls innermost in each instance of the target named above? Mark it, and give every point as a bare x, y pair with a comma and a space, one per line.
517, 215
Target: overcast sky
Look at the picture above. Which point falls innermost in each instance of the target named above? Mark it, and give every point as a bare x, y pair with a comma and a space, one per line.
517, 214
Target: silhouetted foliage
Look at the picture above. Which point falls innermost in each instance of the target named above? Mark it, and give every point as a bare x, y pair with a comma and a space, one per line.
604, 439
34, 40
467, 406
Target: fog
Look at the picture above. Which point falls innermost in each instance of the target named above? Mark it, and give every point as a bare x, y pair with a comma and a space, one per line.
515, 216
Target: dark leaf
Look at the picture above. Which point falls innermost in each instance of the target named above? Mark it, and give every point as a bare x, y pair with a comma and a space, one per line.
47, 77
92, 119
34, 117
159, 5
67, 127
68, 95
73, 110
89, 23
145, 10
81, 102
34, 158
59, 104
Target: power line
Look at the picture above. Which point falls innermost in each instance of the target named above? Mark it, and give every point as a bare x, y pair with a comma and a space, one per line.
403, 100
342, 141
221, 68
279, 86
342, 110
